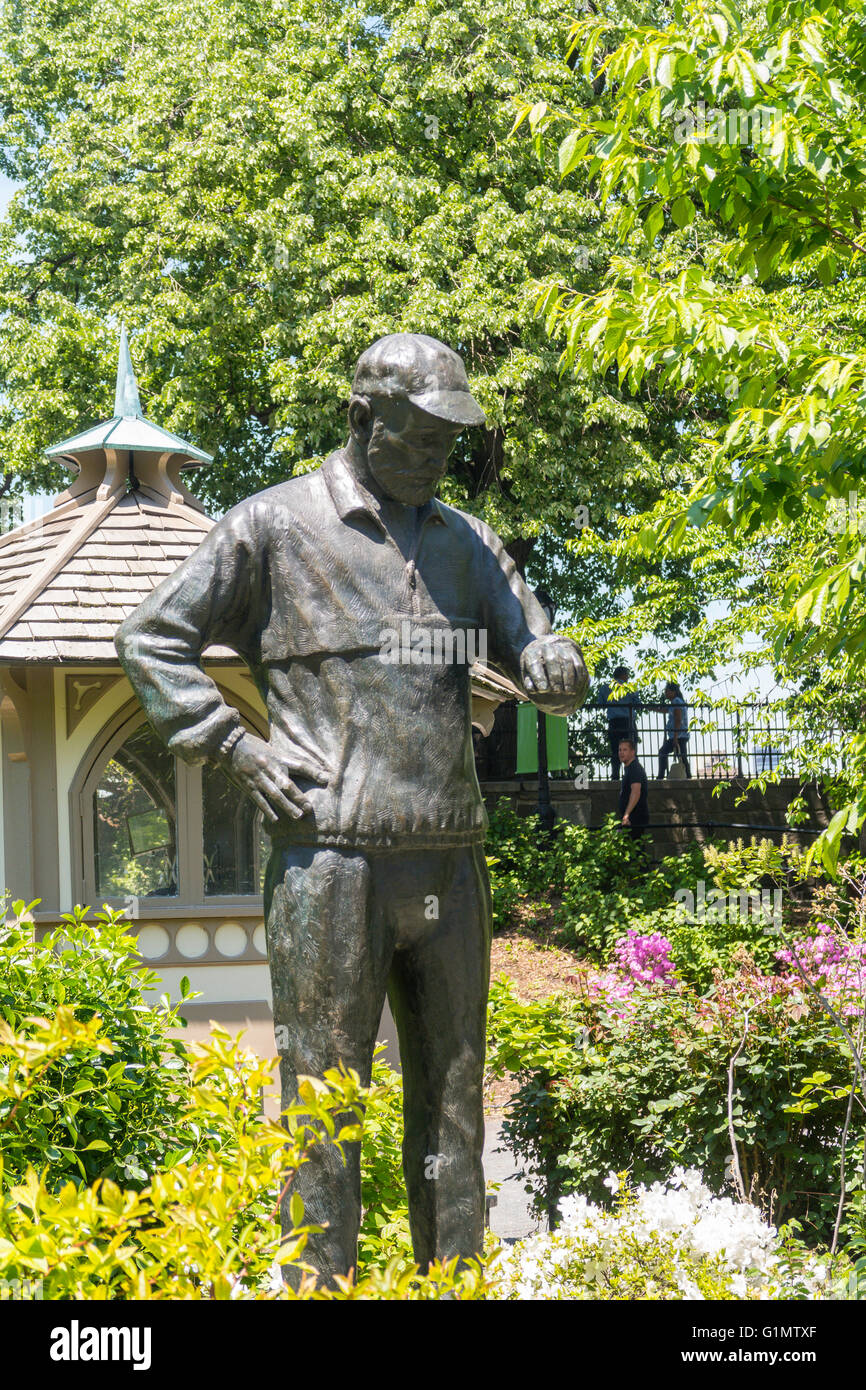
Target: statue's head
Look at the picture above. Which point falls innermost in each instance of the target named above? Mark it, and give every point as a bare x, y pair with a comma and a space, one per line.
410, 400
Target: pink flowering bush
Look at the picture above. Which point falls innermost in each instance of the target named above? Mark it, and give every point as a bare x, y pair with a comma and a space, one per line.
629, 1070
639, 958
832, 963
645, 958
829, 960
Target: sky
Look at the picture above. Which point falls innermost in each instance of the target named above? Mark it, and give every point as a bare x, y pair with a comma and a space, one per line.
6, 190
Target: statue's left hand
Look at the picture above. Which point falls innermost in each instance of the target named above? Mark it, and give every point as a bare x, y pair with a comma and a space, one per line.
553, 667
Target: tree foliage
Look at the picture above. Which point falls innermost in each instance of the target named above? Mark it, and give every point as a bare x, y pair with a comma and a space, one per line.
732, 152
260, 189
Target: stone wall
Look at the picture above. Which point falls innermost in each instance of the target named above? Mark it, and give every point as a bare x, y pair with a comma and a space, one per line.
680, 810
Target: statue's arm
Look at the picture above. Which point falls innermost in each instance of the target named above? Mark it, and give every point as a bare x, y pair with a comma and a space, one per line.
220, 596
208, 601
550, 668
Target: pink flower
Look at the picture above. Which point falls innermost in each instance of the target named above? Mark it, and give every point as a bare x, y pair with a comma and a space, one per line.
638, 960
832, 964
645, 958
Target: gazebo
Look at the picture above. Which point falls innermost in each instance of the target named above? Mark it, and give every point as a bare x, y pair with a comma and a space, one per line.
94, 809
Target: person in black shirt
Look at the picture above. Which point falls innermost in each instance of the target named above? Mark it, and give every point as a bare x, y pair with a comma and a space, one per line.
633, 803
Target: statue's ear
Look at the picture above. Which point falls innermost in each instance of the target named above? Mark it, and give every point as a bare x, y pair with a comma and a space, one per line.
360, 419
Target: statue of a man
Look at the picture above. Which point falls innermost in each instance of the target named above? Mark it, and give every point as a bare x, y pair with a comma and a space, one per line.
377, 881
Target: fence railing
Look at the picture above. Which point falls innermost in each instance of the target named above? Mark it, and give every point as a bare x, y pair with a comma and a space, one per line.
743, 741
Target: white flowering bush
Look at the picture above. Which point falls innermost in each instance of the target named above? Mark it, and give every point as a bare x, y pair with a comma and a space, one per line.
671, 1240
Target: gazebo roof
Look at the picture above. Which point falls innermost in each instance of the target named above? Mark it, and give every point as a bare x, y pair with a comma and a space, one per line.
127, 429
68, 579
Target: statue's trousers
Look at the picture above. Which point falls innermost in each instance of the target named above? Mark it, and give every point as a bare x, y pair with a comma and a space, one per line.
344, 927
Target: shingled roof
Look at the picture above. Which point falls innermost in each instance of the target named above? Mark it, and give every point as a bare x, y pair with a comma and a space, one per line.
68, 579
66, 586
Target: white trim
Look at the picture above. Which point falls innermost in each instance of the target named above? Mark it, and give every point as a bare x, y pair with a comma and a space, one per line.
218, 984
64, 829
71, 750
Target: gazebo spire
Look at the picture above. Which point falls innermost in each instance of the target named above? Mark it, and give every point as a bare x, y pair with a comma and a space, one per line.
127, 451
127, 405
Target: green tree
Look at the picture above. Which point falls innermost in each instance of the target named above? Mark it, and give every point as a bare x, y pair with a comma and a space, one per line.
729, 147
261, 188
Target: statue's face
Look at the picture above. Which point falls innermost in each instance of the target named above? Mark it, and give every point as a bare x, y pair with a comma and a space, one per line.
407, 450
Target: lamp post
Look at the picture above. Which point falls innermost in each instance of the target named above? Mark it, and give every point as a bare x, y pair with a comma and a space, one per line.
544, 809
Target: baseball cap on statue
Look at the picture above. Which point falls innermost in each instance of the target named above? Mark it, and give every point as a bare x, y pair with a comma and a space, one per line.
419, 369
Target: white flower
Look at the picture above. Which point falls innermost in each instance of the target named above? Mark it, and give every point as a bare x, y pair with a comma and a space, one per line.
684, 1226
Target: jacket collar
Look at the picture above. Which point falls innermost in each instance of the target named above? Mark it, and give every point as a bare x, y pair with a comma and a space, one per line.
351, 498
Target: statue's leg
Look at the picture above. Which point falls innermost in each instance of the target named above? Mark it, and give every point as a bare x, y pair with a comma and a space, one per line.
438, 991
328, 972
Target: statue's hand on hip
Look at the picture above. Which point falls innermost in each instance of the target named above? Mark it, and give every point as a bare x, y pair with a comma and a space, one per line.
266, 777
554, 673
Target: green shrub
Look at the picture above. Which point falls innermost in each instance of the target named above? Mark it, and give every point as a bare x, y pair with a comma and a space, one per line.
115, 1104
743, 866
597, 885
385, 1236
207, 1228
119, 1114
600, 877
647, 1090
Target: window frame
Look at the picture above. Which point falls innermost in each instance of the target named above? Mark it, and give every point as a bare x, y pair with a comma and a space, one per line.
189, 834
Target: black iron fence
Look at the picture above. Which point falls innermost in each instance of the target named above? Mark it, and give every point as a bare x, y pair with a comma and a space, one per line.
737, 741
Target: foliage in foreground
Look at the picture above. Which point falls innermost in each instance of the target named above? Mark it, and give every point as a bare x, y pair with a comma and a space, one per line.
673, 1240
118, 1113
384, 1238
116, 1103
207, 1227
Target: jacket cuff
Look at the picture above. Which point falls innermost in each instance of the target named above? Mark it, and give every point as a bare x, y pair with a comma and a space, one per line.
227, 746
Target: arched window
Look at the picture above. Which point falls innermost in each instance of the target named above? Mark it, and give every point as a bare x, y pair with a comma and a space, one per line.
152, 826
236, 847
135, 820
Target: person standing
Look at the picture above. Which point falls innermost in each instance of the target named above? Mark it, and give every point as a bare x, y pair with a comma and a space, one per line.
633, 798
621, 716
677, 729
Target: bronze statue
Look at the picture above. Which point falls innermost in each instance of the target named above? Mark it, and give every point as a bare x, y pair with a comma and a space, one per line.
377, 880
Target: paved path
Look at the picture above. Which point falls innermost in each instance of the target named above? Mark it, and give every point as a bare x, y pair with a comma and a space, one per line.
511, 1218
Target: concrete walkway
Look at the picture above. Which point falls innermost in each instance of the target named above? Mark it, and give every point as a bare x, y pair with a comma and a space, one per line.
511, 1219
